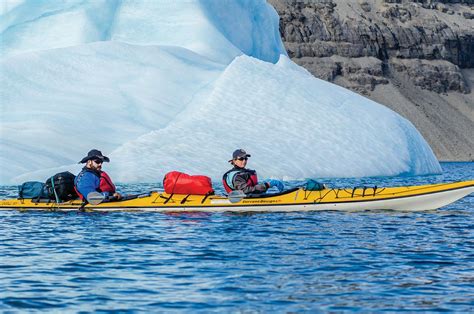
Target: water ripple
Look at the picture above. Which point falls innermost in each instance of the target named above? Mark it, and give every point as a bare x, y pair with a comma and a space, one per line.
227, 262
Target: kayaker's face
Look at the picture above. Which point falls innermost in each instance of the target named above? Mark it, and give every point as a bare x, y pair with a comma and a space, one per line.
241, 162
95, 164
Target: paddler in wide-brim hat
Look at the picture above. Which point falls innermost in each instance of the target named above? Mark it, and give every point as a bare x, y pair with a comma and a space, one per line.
93, 179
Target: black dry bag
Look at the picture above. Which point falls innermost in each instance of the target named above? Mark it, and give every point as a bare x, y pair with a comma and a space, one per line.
61, 187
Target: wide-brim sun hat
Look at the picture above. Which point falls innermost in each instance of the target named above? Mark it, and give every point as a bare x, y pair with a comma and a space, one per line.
94, 154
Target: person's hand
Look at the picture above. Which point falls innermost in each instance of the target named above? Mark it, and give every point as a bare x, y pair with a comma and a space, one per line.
276, 183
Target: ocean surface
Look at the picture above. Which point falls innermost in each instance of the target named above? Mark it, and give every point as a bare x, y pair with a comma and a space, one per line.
370, 261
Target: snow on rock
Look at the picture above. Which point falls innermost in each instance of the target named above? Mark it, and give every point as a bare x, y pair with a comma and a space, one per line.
178, 85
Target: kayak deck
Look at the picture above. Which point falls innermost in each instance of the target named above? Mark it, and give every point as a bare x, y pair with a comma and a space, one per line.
408, 198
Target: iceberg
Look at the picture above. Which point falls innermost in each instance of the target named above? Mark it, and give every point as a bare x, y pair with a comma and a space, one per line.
178, 85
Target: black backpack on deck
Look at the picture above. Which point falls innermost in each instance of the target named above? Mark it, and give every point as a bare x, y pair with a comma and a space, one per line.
61, 187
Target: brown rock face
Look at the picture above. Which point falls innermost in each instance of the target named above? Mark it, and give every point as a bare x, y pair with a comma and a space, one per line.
365, 45
386, 30
437, 76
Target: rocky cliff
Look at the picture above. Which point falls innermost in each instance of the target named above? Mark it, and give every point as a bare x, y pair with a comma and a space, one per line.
416, 57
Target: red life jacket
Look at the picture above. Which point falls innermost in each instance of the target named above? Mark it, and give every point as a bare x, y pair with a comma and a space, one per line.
77, 191
106, 184
228, 179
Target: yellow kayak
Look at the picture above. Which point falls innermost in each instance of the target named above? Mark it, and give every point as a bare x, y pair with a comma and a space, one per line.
408, 198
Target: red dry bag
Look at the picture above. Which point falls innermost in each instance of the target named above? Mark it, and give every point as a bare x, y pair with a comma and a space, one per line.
176, 182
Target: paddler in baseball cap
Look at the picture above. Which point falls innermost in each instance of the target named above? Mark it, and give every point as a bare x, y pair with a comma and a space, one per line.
239, 178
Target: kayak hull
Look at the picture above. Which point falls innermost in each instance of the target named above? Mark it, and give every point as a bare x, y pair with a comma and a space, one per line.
412, 198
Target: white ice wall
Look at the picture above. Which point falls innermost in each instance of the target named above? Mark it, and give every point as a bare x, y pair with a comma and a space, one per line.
217, 29
179, 84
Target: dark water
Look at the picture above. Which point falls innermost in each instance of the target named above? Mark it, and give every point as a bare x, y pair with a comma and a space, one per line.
296, 262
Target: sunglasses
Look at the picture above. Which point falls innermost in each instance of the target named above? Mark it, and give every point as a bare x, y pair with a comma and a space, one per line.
98, 161
242, 158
